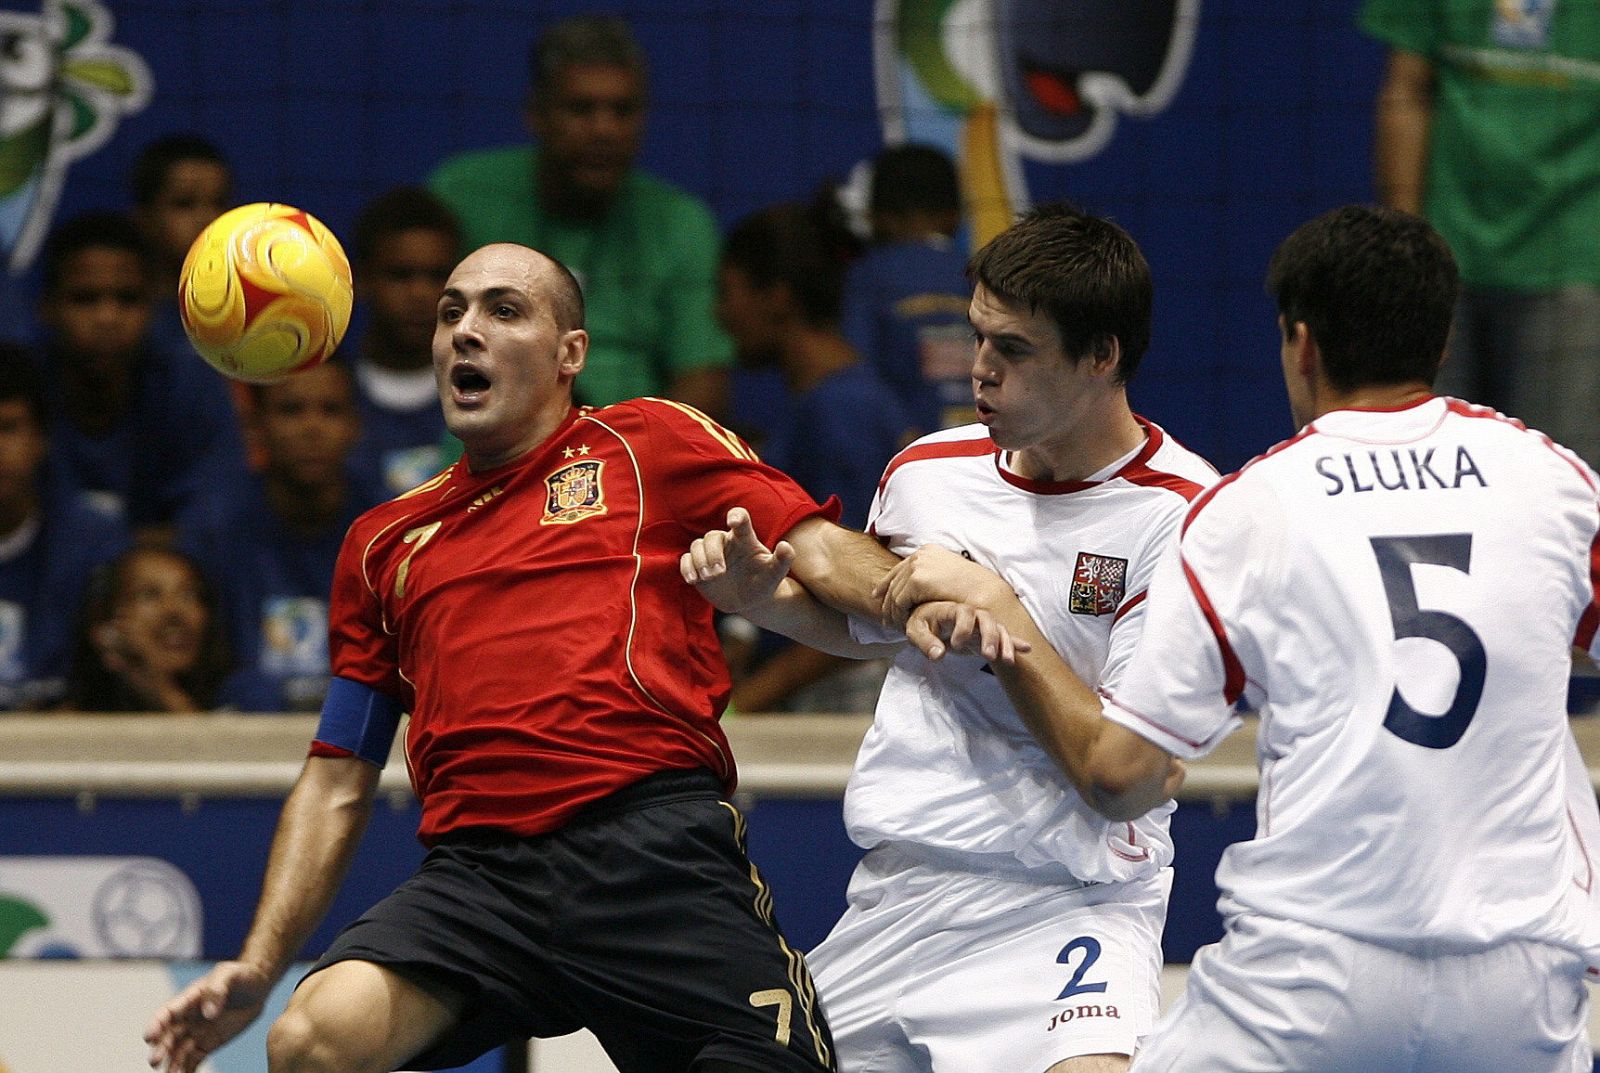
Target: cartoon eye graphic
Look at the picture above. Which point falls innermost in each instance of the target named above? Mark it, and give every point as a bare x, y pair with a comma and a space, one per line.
1051, 54
996, 81
25, 61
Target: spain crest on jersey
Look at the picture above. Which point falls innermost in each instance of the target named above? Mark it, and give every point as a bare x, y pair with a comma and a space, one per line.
574, 492
1098, 584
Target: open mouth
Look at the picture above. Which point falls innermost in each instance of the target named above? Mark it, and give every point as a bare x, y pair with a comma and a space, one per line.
467, 381
176, 638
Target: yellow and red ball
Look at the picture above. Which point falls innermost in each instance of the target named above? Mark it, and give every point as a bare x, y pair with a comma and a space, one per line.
265, 292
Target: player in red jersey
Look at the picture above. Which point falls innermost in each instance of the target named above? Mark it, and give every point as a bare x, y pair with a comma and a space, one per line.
563, 685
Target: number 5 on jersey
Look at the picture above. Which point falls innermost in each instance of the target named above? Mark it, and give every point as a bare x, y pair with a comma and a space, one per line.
1396, 557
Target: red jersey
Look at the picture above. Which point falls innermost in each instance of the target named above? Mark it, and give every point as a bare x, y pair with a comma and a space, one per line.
532, 620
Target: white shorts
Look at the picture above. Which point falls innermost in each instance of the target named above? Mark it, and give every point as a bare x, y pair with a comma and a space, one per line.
1280, 995
931, 969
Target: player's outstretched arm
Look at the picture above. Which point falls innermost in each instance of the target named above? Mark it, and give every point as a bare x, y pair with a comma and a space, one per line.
839, 566
318, 832
737, 573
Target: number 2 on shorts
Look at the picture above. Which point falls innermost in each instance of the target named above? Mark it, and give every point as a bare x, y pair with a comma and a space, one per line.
1091, 954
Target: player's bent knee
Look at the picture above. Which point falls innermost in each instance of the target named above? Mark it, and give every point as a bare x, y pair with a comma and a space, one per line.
304, 1039
296, 1045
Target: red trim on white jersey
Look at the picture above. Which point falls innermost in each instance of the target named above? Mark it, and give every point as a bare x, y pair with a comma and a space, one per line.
1398, 408
1233, 685
1143, 718
1136, 471
1152, 443
1210, 493
1467, 409
1129, 604
974, 448
1233, 670
1589, 621
1152, 478
1132, 840
1038, 487
1139, 472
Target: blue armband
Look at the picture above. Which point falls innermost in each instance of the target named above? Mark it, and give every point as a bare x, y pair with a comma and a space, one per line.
359, 720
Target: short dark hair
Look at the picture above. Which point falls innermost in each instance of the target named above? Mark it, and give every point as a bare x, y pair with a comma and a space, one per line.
1084, 272
597, 40
156, 159
20, 380
568, 298
1375, 287
403, 208
914, 178
788, 244
97, 230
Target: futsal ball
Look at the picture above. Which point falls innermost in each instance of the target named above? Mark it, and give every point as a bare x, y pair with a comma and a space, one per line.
265, 292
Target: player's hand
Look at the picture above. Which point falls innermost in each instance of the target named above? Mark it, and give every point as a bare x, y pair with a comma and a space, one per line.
935, 573
205, 1015
732, 568
942, 626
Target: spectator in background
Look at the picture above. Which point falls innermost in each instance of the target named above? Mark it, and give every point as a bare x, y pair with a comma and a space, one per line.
644, 252
1488, 124
268, 542
131, 424
50, 544
905, 301
180, 183
148, 638
779, 291
405, 242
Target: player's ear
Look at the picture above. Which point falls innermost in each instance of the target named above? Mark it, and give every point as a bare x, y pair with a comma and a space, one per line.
1106, 355
1301, 355
573, 352
1301, 347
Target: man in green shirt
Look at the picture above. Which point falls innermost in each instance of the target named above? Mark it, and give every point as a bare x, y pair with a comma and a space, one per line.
644, 251
1489, 124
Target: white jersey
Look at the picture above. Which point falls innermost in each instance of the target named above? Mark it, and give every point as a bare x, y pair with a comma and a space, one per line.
948, 767
1400, 589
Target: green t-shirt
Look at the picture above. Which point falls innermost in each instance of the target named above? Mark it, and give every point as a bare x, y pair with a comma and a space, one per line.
1513, 178
648, 267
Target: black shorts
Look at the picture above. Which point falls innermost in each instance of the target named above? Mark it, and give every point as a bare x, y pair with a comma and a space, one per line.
642, 920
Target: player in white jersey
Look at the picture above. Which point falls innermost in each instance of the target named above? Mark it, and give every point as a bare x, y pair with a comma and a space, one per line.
1398, 587
997, 922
